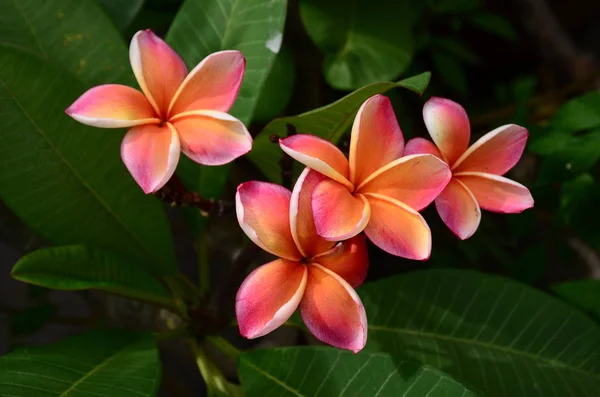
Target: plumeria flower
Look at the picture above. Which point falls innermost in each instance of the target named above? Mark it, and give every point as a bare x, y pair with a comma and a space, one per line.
376, 190
176, 112
315, 274
477, 180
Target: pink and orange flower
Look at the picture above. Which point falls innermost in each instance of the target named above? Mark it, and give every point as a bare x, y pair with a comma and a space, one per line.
377, 190
312, 273
176, 112
477, 180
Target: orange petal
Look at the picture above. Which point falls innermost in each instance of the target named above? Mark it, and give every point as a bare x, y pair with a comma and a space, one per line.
263, 213
112, 106
301, 218
212, 85
269, 296
151, 154
449, 127
348, 259
318, 154
415, 180
398, 229
157, 68
212, 138
458, 209
332, 310
338, 214
496, 152
421, 146
496, 193
376, 138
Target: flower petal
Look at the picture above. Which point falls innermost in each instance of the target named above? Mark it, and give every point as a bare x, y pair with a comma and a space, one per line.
263, 213
332, 310
157, 68
458, 209
212, 85
301, 218
112, 106
269, 296
497, 193
338, 214
415, 180
449, 127
421, 146
151, 154
398, 229
318, 154
494, 153
376, 138
348, 259
212, 138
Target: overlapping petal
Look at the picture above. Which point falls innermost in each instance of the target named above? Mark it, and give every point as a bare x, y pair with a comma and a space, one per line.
113, 106
398, 229
496, 193
212, 138
157, 68
318, 154
415, 180
332, 310
421, 146
269, 296
458, 209
212, 85
338, 214
376, 138
449, 127
496, 152
263, 213
151, 153
348, 259
301, 218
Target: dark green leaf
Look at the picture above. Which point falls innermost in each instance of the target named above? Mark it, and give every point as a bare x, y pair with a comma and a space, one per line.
75, 34
65, 180
579, 206
451, 72
329, 122
326, 372
494, 24
457, 49
115, 363
497, 335
584, 294
78, 267
31, 319
122, 12
363, 41
578, 114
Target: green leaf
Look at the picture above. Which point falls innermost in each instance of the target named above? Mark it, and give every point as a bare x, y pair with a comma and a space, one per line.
115, 363
77, 267
75, 34
66, 181
122, 12
451, 72
457, 49
495, 24
325, 372
363, 41
584, 294
495, 334
329, 122
30, 320
578, 114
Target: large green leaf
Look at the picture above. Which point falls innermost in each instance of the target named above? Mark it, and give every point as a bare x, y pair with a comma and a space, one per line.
363, 41
584, 294
75, 34
329, 122
495, 334
327, 372
78, 267
122, 12
114, 363
66, 180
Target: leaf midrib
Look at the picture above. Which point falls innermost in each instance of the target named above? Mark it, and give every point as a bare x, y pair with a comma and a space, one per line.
508, 350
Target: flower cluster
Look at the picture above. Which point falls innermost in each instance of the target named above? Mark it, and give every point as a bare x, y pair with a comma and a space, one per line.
315, 230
